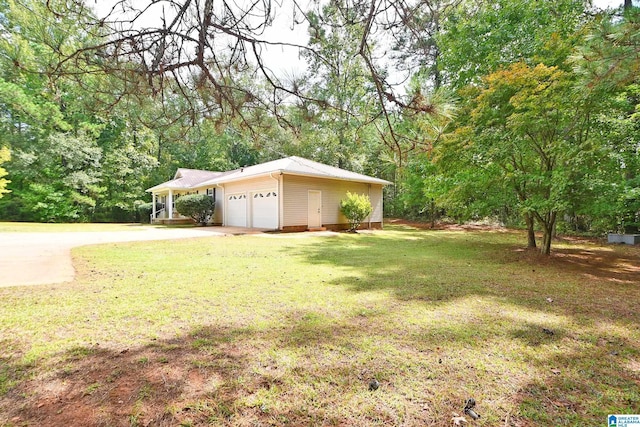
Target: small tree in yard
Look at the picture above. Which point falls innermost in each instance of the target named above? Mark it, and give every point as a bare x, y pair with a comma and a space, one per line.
356, 207
198, 207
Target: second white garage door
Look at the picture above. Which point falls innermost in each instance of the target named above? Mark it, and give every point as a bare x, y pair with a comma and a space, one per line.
264, 209
237, 210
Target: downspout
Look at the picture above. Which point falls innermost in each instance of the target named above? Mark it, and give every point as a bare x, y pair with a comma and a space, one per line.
369, 195
224, 204
279, 192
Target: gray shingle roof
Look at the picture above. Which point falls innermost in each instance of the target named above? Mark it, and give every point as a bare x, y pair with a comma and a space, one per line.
295, 166
190, 178
186, 179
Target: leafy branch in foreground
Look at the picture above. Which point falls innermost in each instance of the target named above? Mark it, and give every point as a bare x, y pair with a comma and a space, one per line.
222, 48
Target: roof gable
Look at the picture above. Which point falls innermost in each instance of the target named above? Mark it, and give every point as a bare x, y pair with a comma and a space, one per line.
186, 179
193, 177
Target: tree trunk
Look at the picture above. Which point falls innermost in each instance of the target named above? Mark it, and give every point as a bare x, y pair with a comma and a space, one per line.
545, 249
531, 235
548, 227
432, 210
437, 76
628, 4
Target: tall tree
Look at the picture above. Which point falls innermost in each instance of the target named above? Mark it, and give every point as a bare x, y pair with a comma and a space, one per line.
65, 181
58, 121
531, 123
609, 57
608, 62
416, 44
480, 37
337, 123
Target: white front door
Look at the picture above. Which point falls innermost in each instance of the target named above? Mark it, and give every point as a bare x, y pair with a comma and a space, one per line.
314, 215
264, 209
236, 210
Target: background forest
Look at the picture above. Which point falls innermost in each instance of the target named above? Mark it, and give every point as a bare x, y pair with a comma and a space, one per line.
526, 112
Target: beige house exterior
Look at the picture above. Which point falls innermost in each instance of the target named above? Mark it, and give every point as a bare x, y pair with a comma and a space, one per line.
290, 194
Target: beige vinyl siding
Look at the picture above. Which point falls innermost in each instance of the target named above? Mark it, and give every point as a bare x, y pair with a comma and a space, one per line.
295, 199
255, 184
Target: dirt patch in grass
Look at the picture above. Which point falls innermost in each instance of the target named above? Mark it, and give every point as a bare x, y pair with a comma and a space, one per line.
164, 383
590, 258
451, 226
608, 265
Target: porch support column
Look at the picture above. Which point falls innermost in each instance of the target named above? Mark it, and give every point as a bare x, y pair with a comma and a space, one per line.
170, 204
153, 209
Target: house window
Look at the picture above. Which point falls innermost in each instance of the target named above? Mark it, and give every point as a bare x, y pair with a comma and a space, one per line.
211, 192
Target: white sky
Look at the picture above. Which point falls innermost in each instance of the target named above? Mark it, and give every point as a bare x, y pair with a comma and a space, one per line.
603, 4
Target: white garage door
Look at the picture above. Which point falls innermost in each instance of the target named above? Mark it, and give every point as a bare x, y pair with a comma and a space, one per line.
237, 210
264, 209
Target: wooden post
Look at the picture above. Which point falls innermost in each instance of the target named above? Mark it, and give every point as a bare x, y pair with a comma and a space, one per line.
153, 208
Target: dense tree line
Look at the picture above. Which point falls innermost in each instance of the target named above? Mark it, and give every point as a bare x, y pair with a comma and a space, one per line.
521, 111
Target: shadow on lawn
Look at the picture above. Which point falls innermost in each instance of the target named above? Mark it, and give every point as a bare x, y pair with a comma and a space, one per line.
197, 378
306, 369
11, 373
213, 375
440, 266
303, 371
585, 285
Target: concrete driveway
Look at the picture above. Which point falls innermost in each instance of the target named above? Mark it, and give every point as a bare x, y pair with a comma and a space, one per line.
40, 258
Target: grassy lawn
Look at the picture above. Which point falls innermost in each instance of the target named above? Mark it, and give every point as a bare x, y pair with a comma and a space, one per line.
36, 227
281, 330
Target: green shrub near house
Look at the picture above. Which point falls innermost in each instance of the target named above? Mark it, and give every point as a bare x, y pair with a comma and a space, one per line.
198, 207
356, 207
145, 210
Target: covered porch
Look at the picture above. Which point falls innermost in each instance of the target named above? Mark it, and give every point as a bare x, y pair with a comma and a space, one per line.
164, 208
164, 196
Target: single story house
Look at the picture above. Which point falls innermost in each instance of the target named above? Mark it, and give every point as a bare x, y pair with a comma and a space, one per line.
290, 194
